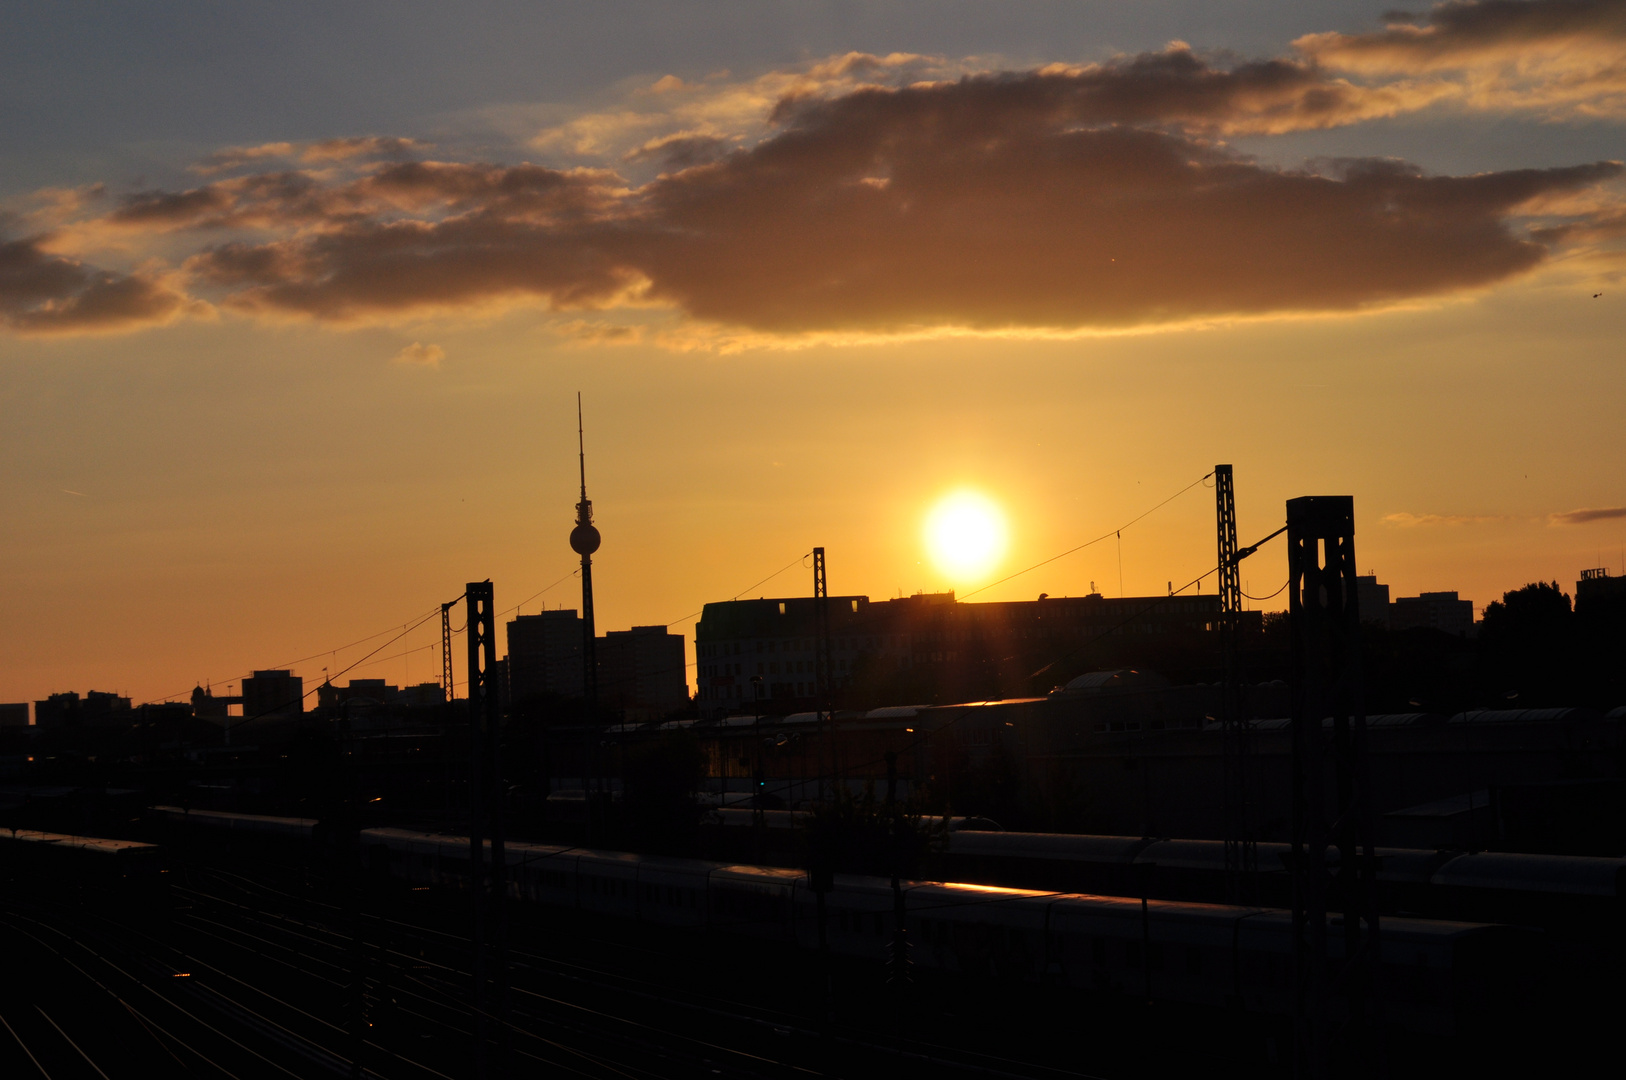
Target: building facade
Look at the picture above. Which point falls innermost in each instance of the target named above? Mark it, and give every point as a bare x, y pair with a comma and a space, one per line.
1441, 611
642, 673
927, 647
273, 693
544, 657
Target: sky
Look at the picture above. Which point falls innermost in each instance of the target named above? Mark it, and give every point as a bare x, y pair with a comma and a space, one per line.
296, 299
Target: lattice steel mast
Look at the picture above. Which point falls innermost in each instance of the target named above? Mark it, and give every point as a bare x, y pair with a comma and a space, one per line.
821, 662
446, 649
1241, 849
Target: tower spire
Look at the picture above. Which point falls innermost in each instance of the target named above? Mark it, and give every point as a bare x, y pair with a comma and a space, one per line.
584, 540
584, 508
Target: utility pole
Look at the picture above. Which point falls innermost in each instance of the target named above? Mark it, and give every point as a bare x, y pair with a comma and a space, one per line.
485, 816
1241, 850
1325, 631
821, 662
584, 540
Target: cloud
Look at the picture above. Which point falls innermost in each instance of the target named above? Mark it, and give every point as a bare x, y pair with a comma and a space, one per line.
599, 333
1561, 58
1583, 516
1408, 521
420, 355
43, 293
977, 204
864, 197
322, 151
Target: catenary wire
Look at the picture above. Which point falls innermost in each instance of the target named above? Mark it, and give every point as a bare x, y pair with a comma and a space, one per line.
1104, 536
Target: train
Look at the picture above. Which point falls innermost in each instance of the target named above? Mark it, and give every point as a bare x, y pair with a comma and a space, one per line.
63, 866
1563, 893
1439, 977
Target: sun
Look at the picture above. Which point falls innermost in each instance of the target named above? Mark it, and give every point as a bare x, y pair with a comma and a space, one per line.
965, 535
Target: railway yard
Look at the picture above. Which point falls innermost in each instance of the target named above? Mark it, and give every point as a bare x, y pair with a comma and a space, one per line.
242, 953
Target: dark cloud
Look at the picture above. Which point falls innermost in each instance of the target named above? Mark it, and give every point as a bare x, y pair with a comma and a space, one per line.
1565, 59
1469, 31
1060, 199
1581, 517
1172, 87
42, 293
987, 203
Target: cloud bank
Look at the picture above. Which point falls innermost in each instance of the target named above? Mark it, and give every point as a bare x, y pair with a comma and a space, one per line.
897, 195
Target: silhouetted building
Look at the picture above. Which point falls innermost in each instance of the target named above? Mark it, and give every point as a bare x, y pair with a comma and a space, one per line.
362, 691
1372, 599
14, 715
642, 672
208, 705
928, 647
57, 710
1597, 594
67, 710
377, 692
100, 707
273, 693
544, 656
1435, 610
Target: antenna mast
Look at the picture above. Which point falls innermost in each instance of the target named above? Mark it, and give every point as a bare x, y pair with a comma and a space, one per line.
584, 540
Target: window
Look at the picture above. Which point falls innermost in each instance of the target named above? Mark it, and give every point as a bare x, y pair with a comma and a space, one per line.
781, 607
1099, 949
1194, 960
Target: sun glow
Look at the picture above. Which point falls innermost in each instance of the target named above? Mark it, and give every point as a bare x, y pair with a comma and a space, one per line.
965, 535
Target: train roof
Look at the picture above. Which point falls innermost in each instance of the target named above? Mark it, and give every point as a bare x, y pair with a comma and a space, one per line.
1056, 846
1570, 874
98, 844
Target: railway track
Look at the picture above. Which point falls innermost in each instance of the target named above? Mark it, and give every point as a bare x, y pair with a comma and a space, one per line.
254, 972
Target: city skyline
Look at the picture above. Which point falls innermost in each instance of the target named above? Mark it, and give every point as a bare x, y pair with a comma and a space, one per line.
240, 429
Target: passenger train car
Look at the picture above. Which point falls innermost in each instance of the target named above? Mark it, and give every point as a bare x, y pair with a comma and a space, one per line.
1439, 977
90, 868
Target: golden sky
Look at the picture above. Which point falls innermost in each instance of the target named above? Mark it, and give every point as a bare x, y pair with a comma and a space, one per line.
269, 395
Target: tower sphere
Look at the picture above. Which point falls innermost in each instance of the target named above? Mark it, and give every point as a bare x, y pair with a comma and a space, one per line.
584, 539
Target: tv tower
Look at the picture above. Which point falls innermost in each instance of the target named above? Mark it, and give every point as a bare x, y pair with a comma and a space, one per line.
584, 540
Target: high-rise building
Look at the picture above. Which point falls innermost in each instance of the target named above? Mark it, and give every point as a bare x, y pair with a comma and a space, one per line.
544, 657
1373, 599
14, 715
642, 672
273, 693
1435, 610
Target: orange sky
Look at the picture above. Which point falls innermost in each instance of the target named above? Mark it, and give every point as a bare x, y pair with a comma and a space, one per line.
297, 390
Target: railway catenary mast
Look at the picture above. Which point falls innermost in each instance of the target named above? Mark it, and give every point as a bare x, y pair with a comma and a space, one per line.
1241, 849
1324, 626
821, 662
446, 649
489, 937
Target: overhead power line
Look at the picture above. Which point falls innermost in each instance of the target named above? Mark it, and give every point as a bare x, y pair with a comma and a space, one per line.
1109, 534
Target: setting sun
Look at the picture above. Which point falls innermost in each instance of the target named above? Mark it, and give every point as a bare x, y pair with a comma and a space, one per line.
965, 535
